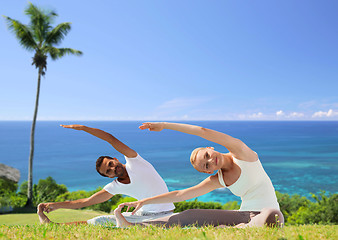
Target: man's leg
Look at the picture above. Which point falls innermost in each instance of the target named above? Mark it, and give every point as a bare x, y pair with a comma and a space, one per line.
45, 220
42, 217
120, 220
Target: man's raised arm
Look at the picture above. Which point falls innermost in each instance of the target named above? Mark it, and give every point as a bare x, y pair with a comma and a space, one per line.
117, 144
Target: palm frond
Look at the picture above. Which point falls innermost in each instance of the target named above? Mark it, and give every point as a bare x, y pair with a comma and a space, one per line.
33, 11
57, 53
22, 33
55, 36
40, 21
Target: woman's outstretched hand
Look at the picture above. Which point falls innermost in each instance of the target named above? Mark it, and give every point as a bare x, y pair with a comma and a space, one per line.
137, 205
152, 126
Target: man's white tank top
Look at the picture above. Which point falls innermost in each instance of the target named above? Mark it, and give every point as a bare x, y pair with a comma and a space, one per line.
253, 186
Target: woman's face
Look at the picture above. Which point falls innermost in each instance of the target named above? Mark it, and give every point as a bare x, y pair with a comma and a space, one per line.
208, 160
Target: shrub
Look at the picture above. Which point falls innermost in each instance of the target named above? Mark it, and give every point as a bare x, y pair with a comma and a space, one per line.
23, 187
123, 200
5, 201
233, 205
47, 190
8, 196
7, 187
323, 211
18, 200
290, 204
13, 200
185, 205
105, 206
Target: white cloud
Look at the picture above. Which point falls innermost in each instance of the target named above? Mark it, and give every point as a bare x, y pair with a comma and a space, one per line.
256, 115
185, 117
329, 113
280, 113
252, 116
296, 115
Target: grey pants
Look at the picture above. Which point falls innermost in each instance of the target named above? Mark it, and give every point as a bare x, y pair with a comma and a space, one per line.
215, 217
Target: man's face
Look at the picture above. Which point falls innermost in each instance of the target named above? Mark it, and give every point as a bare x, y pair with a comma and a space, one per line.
112, 168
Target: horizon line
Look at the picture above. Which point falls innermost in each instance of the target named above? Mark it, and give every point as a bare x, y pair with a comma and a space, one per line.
183, 120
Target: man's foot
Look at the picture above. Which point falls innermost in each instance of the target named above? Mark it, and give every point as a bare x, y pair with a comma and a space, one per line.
120, 220
42, 217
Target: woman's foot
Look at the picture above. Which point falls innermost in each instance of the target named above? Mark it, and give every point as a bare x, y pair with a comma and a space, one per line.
241, 225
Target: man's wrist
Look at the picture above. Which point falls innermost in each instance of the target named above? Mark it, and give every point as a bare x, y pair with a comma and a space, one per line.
86, 129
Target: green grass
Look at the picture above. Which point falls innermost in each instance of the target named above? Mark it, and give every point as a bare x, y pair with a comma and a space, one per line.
29, 228
62, 215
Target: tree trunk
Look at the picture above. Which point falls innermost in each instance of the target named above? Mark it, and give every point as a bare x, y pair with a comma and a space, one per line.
31, 154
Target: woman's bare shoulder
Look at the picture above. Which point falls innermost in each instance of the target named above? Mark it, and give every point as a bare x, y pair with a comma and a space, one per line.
247, 156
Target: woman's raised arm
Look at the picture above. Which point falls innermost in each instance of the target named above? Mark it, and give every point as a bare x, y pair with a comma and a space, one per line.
234, 145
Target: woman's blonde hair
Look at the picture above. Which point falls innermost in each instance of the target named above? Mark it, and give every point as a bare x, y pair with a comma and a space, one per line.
194, 154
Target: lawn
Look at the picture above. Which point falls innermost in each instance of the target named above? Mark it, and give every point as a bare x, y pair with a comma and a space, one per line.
25, 226
62, 215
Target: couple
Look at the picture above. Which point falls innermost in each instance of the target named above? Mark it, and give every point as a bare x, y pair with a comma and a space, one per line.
239, 170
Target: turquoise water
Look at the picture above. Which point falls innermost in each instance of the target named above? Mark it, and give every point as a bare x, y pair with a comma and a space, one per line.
299, 157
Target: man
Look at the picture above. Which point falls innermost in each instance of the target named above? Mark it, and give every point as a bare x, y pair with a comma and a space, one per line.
137, 178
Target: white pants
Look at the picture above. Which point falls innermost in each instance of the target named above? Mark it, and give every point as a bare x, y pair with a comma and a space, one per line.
110, 220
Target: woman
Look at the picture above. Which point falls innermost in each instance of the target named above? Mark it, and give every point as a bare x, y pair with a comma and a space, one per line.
239, 170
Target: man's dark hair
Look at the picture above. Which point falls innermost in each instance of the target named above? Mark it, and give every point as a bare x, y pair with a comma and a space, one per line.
99, 163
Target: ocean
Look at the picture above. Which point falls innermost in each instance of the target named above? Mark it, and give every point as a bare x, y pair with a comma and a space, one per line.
300, 157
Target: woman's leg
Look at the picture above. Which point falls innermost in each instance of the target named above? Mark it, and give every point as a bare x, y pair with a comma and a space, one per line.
268, 217
214, 217
197, 217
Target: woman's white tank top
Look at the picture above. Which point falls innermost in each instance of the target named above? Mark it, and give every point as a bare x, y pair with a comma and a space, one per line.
253, 186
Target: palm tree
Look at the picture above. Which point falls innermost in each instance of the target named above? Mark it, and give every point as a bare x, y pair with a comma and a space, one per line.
39, 37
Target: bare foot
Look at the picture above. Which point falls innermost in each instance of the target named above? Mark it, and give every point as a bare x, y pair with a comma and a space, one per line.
42, 217
241, 225
222, 226
120, 220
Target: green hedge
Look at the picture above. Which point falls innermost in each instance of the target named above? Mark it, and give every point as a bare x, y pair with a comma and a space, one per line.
320, 209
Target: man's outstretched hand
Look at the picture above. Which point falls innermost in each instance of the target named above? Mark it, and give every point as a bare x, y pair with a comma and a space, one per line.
74, 126
46, 207
137, 205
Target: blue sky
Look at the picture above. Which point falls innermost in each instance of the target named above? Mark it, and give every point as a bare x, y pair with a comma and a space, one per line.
179, 60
